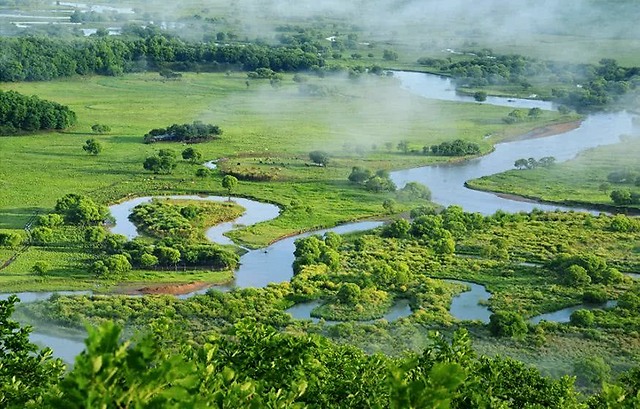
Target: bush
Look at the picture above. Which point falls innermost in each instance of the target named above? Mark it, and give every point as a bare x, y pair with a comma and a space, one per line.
40, 267
190, 133
415, 190
51, 220
480, 96
359, 174
100, 128
396, 229
457, 147
597, 296
42, 235
319, 157
576, 276
582, 318
507, 324
10, 239
203, 172
379, 184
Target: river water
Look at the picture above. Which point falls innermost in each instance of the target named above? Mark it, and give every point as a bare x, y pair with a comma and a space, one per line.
446, 182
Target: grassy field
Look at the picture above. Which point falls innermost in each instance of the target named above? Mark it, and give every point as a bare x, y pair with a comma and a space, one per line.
354, 121
581, 180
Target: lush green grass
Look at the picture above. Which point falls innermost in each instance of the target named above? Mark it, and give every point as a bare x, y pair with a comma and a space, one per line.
579, 180
36, 170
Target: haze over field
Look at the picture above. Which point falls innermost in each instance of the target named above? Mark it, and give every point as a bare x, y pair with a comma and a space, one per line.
579, 31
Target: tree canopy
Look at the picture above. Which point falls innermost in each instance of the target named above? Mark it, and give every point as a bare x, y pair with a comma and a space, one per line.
22, 113
190, 133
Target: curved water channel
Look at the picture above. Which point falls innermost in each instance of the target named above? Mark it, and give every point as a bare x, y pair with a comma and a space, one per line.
446, 182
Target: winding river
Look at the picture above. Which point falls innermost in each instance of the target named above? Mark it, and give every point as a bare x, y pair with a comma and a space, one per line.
446, 182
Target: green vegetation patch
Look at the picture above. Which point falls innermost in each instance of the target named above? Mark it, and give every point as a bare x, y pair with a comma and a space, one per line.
184, 218
589, 179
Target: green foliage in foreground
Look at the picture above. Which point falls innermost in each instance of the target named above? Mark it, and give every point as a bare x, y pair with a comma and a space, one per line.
26, 372
255, 366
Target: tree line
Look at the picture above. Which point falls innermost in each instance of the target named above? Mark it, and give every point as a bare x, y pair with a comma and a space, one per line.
589, 86
40, 59
255, 365
29, 113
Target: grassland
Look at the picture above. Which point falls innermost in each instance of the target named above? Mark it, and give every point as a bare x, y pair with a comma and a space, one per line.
263, 126
581, 180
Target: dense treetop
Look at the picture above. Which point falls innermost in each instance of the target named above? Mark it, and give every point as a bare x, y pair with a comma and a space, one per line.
29, 113
40, 58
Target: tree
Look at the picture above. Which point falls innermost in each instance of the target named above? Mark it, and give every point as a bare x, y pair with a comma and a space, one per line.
514, 116
93, 147
42, 235
507, 324
51, 220
582, 318
480, 96
94, 236
118, 265
163, 162
168, 255
577, 276
191, 154
10, 239
564, 110
547, 161
520, 163
397, 229
40, 267
319, 157
229, 182
148, 260
534, 113
380, 184
190, 133
332, 240
621, 197
100, 128
415, 190
390, 55
203, 172
27, 373
593, 370
113, 267
403, 146
359, 174
78, 209
349, 293
389, 205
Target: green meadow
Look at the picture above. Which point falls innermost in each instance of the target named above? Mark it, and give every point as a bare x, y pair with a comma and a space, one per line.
359, 122
582, 180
